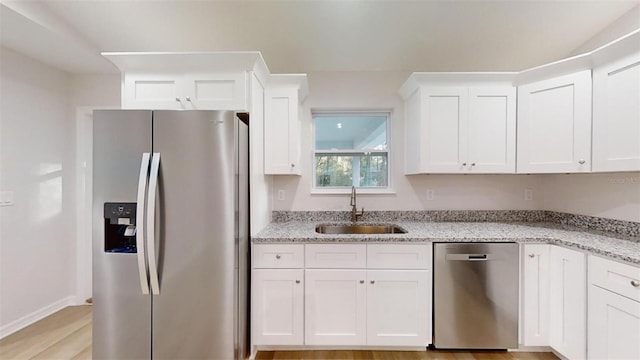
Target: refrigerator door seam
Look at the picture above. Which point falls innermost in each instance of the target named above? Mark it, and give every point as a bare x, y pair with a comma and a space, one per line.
140, 233
151, 223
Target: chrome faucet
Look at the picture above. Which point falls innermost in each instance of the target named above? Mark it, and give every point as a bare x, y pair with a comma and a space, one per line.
354, 210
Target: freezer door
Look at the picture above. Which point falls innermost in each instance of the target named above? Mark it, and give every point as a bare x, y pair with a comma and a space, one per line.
196, 235
121, 313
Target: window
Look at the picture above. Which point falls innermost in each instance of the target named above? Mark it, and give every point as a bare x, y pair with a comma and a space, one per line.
351, 149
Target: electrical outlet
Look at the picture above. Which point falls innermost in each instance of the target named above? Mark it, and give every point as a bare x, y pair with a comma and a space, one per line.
280, 195
528, 194
430, 194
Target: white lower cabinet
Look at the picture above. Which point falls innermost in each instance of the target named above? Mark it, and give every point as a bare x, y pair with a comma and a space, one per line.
535, 294
335, 312
567, 302
398, 307
278, 306
377, 303
614, 310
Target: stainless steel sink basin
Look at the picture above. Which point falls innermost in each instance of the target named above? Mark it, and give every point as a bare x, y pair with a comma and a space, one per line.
359, 229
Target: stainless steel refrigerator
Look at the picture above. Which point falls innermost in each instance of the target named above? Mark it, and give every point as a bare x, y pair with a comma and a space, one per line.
170, 235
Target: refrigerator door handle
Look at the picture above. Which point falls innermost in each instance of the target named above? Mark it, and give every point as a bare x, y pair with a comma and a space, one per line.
151, 224
143, 179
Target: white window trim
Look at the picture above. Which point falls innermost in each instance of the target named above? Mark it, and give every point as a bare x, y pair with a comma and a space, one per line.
347, 190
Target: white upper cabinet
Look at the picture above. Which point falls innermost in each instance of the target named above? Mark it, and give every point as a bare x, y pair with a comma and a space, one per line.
554, 125
464, 123
188, 81
616, 106
283, 95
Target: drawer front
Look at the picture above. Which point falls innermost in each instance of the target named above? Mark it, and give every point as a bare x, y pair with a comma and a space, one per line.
399, 256
341, 256
278, 256
616, 277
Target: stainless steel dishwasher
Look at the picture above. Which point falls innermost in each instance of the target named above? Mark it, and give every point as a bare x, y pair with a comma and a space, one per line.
475, 295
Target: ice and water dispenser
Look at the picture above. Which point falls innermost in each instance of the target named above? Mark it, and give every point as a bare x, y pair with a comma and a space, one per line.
120, 227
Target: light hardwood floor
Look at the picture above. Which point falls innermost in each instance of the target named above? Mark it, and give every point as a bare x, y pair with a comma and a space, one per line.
66, 335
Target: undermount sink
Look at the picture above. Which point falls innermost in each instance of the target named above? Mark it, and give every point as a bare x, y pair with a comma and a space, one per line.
359, 229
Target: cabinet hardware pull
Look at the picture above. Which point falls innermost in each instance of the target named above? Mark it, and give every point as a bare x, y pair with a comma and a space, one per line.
464, 164
278, 256
297, 281
531, 255
473, 164
581, 162
293, 165
188, 98
635, 283
178, 99
373, 281
361, 281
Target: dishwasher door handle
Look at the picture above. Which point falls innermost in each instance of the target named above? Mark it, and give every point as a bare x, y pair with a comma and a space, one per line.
468, 257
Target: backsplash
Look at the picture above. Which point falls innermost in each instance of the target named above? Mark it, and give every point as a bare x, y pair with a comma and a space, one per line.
620, 227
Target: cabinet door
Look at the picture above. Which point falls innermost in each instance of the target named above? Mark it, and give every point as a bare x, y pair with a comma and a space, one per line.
398, 307
278, 298
335, 307
153, 91
554, 125
491, 131
281, 131
220, 91
616, 115
535, 295
444, 121
567, 302
614, 325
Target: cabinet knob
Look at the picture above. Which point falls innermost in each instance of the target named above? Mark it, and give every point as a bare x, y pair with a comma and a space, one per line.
464, 164
293, 165
473, 164
188, 98
178, 99
635, 283
278, 256
297, 281
361, 281
531, 255
373, 281
581, 162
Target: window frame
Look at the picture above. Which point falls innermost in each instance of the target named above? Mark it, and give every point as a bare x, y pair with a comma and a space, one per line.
388, 113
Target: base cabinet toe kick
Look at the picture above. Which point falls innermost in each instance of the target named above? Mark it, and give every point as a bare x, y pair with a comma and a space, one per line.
380, 296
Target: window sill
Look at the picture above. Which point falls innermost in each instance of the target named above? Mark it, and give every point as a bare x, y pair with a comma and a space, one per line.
359, 191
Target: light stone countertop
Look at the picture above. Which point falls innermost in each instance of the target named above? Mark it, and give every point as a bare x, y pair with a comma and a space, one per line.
303, 232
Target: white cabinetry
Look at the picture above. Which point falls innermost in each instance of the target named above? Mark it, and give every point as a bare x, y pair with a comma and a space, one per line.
191, 91
277, 299
535, 295
616, 106
554, 125
459, 129
614, 310
283, 95
567, 302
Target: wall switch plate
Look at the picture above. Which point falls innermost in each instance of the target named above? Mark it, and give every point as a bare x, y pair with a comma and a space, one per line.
528, 194
430, 194
6, 198
280, 195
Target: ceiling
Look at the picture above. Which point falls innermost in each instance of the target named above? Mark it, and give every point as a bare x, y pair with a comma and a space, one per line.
308, 36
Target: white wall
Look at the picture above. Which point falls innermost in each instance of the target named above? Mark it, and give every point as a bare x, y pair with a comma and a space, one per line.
612, 195
378, 90
37, 243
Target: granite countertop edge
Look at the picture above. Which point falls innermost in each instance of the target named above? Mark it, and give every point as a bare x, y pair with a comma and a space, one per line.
303, 232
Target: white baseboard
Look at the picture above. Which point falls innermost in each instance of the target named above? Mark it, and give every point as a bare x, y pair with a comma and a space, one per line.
10, 328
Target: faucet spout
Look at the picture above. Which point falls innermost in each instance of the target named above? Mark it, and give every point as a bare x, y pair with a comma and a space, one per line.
354, 209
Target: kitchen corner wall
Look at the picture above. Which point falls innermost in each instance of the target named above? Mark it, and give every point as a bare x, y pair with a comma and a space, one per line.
615, 196
37, 158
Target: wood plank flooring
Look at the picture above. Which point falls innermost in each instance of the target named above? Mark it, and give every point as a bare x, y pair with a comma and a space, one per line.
66, 335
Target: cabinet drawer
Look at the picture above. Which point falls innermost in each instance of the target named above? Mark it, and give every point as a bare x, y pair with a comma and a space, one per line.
611, 275
344, 256
399, 256
278, 256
